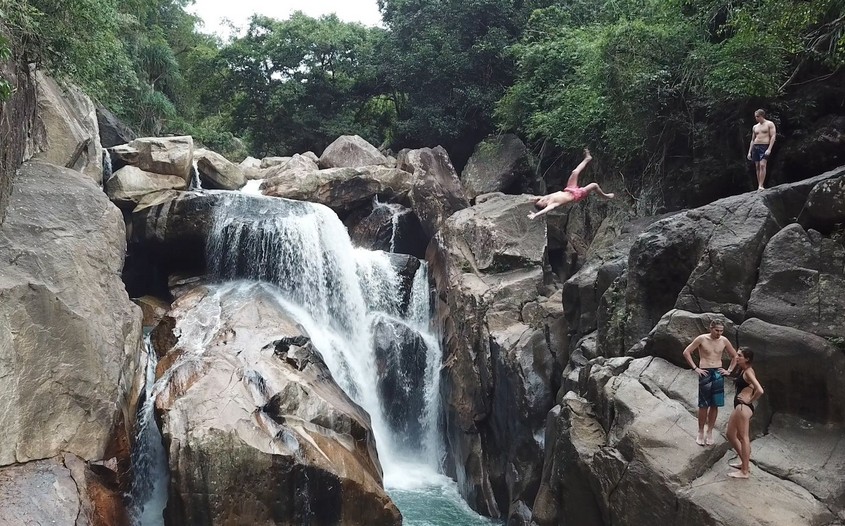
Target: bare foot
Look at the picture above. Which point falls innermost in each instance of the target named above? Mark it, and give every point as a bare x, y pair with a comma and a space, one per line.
587, 154
610, 195
532, 216
738, 475
699, 439
760, 188
708, 441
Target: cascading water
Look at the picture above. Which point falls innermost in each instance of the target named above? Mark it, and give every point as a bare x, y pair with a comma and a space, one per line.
378, 343
148, 496
107, 167
196, 182
396, 211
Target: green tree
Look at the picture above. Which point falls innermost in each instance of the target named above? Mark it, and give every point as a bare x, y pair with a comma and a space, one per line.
294, 84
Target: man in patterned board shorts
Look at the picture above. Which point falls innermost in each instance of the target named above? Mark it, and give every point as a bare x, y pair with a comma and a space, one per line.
711, 382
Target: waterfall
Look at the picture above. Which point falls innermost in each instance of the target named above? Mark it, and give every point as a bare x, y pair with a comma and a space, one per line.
148, 496
196, 182
107, 167
350, 304
396, 211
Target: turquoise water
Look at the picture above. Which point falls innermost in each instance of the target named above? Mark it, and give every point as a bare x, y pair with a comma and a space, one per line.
431, 499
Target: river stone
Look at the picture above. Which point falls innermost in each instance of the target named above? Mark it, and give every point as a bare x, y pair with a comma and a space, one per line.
826, 202
499, 163
69, 120
350, 151
216, 171
801, 283
437, 191
342, 189
69, 336
251, 167
392, 228
258, 431
161, 155
267, 162
129, 184
289, 171
800, 372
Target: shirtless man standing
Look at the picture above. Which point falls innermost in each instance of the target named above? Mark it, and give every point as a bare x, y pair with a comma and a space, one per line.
762, 139
711, 382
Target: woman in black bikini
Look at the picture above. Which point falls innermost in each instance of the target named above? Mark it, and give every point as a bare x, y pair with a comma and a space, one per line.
748, 389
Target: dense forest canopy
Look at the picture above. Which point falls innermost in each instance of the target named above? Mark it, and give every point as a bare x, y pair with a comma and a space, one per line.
650, 84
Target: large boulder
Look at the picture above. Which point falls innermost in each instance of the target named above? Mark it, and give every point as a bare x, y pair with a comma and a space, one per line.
291, 169
801, 283
705, 259
71, 131
437, 191
801, 372
69, 336
606, 260
826, 203
161, 155
676, 330
217, 172
627, 437
69, 349
501, 337
113, 131
390, 227
350, 151
500, 163
257, 429
342, 189
127, 186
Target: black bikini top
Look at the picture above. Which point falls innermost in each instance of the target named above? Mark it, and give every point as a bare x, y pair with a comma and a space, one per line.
741, 382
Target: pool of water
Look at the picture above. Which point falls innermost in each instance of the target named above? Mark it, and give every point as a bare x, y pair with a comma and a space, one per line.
427, 498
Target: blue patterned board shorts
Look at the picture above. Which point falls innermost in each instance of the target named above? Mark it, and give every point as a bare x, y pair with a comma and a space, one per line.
711, 389
758, 152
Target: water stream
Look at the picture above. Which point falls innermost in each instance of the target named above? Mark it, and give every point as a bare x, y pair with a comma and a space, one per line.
377, 339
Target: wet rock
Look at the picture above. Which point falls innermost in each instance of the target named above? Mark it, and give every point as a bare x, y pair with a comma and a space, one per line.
342, 189
113, 131
217, 172
258, 431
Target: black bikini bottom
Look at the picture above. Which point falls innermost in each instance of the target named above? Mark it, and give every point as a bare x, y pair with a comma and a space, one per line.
738, 402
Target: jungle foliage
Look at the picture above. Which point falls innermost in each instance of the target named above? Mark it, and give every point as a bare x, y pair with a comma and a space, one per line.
649, 83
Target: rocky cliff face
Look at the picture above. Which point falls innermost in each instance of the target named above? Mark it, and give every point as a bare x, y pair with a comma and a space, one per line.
622, 432
18, 126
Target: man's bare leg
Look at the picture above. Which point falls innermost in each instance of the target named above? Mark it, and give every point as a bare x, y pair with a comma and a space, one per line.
594, 187
573, 178
702, 421
711, 423
761, 174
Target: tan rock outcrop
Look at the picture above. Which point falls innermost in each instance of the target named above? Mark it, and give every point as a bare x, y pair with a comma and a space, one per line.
350, 151
161, 155
127, 186
258, 431
216, 171
72, 134
69, 336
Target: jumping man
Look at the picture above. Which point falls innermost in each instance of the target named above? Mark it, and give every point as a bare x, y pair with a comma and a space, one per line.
571, 194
